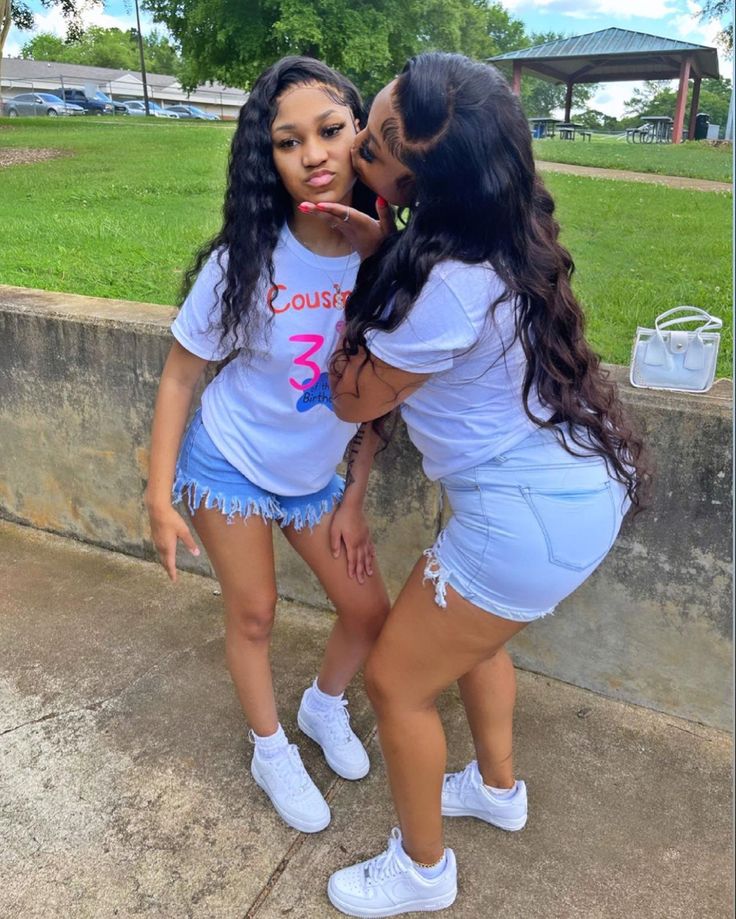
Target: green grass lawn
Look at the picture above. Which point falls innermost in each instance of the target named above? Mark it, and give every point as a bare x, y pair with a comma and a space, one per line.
697, 160
641, 249
122, 214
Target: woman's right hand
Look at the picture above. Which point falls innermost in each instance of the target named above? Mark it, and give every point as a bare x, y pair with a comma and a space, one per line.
363, 233
167, 527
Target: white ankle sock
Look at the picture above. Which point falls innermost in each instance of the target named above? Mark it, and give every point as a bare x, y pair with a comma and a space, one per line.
502, 792
433, 871
271, 745
322, 700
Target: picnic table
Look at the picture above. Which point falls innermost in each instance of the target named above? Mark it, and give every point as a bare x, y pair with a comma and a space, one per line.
570, 130
543, 127
655, 129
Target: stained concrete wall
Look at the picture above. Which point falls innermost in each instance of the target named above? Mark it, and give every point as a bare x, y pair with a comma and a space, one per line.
78, 378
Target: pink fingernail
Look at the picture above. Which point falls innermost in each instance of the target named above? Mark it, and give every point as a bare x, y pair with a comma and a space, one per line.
381, 202
304, 208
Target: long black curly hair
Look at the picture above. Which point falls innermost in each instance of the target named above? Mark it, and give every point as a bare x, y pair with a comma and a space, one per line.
462, 133
256, 203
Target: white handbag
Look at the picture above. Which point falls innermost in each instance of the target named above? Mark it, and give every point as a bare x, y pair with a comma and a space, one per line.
683, 360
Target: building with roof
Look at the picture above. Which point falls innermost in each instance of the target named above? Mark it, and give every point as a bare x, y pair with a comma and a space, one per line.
20, 75
617, 54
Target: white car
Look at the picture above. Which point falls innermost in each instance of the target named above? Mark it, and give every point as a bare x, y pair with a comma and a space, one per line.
138, 107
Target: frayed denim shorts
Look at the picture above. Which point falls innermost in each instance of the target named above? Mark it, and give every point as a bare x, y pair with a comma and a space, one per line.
205, 477
528, 527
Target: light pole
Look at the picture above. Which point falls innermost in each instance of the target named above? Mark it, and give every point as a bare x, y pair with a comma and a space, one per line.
143, 63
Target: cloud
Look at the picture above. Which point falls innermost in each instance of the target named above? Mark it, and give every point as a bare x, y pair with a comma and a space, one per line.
594, 9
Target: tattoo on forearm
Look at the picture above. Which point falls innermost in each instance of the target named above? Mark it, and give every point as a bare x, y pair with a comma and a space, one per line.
353, 451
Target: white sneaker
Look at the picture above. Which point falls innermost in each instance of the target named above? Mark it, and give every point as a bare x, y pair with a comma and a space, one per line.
330, 728
465, 795
390, 884
296, 798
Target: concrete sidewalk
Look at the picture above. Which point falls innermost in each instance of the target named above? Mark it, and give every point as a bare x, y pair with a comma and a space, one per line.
624, 175
124, 787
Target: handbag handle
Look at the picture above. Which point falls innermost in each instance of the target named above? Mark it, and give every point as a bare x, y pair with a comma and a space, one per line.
709, 322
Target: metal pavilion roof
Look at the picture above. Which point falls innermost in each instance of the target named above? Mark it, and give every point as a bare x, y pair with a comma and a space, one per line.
610, 55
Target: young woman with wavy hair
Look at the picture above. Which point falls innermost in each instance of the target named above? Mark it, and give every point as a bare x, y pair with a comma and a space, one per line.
467, 320
269, 297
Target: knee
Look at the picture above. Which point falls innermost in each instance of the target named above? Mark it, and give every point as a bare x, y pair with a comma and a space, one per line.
377, 682
368, 619
252, 618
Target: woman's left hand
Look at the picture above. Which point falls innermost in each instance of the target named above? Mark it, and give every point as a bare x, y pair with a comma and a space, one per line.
349, 528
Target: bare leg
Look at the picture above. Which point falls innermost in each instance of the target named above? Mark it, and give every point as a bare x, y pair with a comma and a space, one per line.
488, 692
422, 650
242, 556
361, 608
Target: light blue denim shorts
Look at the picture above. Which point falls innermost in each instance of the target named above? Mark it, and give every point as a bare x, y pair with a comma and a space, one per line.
204, 476
528, 527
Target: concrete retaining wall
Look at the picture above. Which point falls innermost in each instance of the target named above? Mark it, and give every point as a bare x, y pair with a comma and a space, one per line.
78, 378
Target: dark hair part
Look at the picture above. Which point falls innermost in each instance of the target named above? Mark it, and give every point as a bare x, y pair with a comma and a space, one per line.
462, 133
256, 203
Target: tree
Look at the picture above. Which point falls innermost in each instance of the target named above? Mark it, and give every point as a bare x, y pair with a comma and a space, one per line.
99, 47
369, 40
593, 118
717, 10
19, 14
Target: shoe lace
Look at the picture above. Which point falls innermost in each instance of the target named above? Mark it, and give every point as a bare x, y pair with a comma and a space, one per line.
290, 769
337, 719
458, 782
387, 864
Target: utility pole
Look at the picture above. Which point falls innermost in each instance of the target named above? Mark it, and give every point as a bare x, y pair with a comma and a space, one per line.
143, 63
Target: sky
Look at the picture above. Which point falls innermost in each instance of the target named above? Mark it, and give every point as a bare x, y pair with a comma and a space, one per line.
669, 18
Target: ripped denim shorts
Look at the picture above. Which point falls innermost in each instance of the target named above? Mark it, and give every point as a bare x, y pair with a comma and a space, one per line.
528, 527
204, 476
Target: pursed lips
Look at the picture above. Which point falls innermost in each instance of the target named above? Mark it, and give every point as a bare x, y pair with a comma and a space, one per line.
321, 178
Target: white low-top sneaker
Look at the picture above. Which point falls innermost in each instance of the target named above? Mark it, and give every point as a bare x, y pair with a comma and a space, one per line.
330, 728
390, 884
296, 798
465, 795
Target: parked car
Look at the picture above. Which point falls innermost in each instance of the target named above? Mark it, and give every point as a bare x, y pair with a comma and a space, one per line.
92, 104
40, 104
191, 111
138, 107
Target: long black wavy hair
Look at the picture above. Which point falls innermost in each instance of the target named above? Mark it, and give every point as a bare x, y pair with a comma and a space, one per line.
462, 133
256, 203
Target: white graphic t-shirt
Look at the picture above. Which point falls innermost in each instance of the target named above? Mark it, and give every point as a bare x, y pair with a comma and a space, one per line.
271, 416
471, 408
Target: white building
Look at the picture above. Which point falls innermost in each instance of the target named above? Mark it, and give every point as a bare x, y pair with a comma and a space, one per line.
20, 76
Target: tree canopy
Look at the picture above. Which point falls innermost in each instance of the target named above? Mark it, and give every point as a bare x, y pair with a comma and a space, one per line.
368, 40
99, 47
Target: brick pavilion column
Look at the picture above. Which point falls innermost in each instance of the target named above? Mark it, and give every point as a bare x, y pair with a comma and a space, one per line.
516, 84
681, 102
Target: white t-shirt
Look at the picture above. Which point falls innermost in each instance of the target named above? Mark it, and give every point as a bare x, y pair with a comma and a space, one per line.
470, 409
271, 416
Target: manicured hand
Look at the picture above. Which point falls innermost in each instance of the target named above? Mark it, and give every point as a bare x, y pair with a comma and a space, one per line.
362, 232
349, 528
167, 527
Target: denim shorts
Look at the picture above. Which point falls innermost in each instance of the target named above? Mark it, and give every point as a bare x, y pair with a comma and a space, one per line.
203, 475
528, 527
